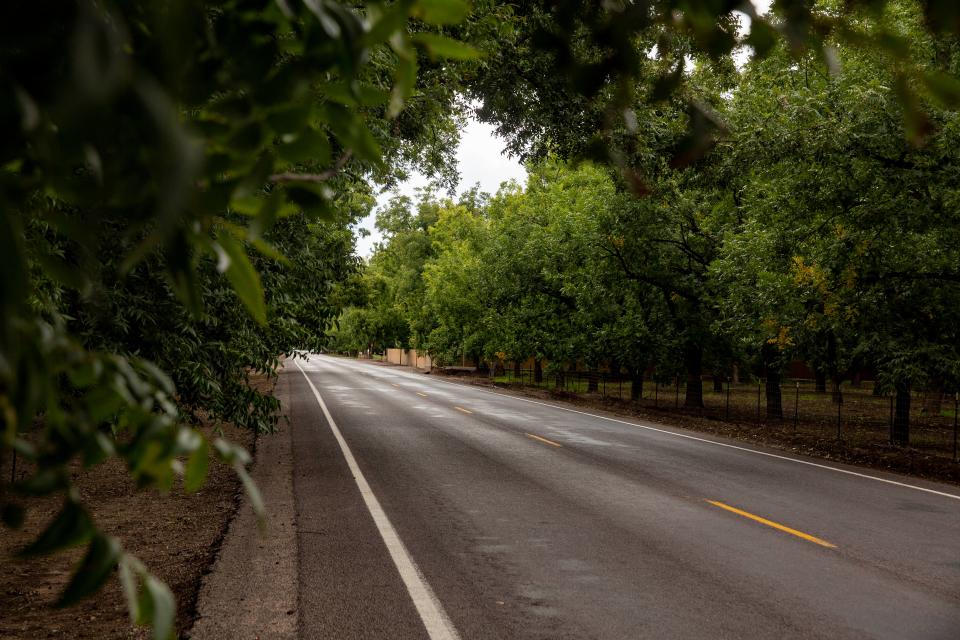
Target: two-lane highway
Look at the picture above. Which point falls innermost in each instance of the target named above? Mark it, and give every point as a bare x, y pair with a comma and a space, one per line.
505, 517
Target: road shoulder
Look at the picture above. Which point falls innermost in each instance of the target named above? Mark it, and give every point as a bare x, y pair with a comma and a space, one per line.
252, 590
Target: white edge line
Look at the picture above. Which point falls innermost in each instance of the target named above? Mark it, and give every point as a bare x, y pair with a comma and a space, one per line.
713, 442
431, 611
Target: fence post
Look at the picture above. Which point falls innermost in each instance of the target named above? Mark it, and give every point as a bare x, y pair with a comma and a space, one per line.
796, 408
656, 393
676, 395
891, 419
956, 405
839, 413
759, 389
728, 399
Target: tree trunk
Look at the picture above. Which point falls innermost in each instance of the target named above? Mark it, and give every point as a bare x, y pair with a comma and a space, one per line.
615, 368
636, 384
774, 395
856, 380
901, 416
537, 370
517, 369
821, 381
694, 362
592, 380
735, 374
717, 384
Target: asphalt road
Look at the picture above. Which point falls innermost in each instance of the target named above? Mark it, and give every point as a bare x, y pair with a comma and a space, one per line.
525, 519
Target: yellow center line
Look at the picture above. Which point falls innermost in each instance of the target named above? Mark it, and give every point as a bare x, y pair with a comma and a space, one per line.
462, 409
550, 442
421, 394
775, 525
395, 385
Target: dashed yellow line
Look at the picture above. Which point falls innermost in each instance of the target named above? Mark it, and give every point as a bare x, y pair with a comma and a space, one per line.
550, 442
421, 394
395, 385
775, 525
462, 409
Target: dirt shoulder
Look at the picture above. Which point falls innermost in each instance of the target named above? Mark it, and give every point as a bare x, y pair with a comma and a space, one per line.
251, 591
176, 535
907, 461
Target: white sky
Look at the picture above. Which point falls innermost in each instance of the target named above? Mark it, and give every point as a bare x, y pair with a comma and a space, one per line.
481, 158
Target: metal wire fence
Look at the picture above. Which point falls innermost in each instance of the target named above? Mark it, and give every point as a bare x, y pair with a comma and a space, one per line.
856, 414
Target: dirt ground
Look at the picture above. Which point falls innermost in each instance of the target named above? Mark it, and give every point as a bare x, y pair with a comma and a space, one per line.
810, 439
175, 535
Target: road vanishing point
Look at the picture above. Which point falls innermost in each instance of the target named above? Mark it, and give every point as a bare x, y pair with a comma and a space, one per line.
435, 510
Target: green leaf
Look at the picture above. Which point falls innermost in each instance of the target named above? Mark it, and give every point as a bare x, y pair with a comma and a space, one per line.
442, 12
256, 178
253, 493
102, 556
404, 80
234, 263
62, 271
313, 199
762, 37
267, 250
247, 205
13, 284
238, 458
43, 482
944, 87
353, 133
386, 21
196, 470
97, 449
289, 119
157, 375
231, 453
355, 94
71, 527
248, 138
915, 120
443, 47
309, 144
157, 606
12, 515
126, 567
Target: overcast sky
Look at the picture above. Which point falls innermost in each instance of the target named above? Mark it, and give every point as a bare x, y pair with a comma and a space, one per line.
482, 160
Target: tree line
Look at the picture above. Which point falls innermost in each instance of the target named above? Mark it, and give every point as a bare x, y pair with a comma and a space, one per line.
814, 229
178, 182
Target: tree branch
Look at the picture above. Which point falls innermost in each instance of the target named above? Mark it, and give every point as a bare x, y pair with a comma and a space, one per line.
313, 177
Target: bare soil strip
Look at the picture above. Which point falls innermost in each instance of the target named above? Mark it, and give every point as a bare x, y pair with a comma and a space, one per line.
176, 535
